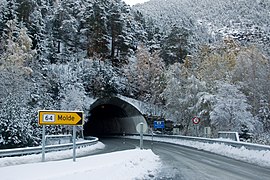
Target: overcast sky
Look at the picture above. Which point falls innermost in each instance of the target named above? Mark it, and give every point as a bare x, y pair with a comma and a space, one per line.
132, 2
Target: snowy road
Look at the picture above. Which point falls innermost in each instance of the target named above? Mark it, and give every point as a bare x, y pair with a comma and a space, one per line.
188, 163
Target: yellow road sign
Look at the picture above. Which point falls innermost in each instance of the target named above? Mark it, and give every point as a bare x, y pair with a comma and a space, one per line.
51, 117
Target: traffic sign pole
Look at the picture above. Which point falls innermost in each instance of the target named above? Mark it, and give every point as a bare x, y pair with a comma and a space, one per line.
196, 121
141, 135
43, 143
74, 143
141, 128
152, 139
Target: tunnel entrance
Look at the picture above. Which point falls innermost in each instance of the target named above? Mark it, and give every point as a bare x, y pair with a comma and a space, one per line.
112, 116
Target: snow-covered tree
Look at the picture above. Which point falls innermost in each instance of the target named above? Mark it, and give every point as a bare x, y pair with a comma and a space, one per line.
97, 32
181, 94
174, 47
8, 13
211, 20
218, 62
115, 25
251, 72
148, 76
16, 113
204, 107
264, 115
231, 110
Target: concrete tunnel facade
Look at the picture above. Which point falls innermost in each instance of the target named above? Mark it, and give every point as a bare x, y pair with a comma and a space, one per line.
110, 116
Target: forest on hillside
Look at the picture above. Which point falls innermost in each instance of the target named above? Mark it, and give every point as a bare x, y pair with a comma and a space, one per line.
62, 54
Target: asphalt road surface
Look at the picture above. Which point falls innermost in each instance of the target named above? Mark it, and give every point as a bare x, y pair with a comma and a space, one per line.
183, 163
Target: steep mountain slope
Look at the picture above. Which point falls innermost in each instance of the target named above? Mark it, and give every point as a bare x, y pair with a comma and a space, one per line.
209, 20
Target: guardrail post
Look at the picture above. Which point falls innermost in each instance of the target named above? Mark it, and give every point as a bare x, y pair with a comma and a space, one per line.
124, 134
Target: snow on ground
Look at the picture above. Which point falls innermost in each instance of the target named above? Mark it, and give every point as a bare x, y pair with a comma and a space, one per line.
8, 161
260, 158
130, 164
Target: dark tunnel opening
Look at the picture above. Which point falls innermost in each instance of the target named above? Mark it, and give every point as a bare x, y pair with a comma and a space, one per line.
103, 120
112, 116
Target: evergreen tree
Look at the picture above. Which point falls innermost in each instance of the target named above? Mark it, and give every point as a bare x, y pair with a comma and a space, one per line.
154, 35
116, 27
38, 35
175, 46
98, 38
24, 10
8, 13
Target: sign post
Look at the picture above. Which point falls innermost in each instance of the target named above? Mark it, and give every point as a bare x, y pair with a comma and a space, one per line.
52, 117
141, 128
141, 135
74, 143
196, 121
43, 143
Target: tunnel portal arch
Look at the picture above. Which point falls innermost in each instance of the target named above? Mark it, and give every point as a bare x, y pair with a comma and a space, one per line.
112, 115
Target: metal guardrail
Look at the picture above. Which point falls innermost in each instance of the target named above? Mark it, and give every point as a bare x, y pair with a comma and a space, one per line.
36, 150
93, 140
249, 146
58, 139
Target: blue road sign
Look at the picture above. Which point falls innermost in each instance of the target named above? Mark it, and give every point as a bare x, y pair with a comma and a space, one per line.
159, 124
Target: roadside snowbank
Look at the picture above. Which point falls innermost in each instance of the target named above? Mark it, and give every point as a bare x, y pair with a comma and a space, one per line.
260, 158
122, 165
9, 161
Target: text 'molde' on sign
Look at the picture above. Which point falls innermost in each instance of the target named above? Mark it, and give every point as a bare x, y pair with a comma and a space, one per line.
49, 117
